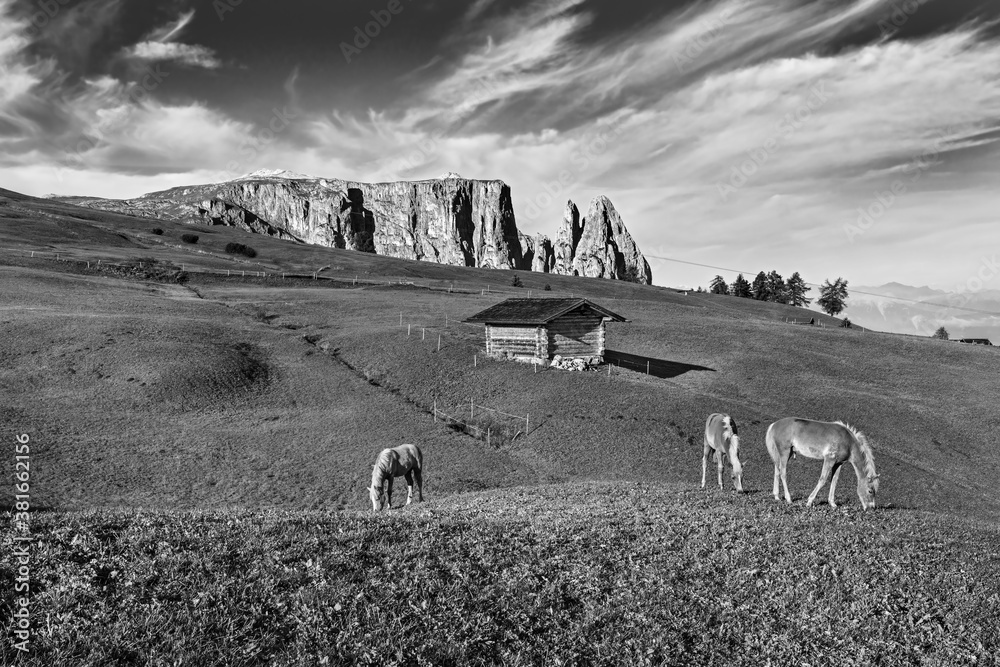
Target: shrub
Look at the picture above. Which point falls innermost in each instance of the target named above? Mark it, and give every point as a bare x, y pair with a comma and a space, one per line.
158, 231
516, 281
240, 249
845, 324
189, 238
547, 288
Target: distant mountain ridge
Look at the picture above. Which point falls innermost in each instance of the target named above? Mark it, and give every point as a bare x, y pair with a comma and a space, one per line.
921, 311
449, 220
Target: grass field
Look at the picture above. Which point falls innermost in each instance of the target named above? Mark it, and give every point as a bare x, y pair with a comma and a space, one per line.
577, 574
203, 437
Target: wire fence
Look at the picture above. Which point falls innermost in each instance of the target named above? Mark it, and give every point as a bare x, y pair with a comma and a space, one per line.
491, 428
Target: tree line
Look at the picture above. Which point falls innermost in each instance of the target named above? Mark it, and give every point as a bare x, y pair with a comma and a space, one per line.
776, 289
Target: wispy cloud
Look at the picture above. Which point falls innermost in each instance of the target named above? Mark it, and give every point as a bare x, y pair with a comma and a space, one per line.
159, 46
187, 54
523, 93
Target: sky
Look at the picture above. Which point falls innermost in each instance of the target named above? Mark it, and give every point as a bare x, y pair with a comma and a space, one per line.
829, 137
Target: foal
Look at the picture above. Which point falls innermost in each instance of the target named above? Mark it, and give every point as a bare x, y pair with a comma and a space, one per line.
721, 437
403, 461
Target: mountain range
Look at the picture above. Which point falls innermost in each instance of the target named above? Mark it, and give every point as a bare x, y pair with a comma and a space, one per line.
920, 311
449, 220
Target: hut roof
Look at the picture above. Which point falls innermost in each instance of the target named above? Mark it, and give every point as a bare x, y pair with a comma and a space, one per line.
536, 311
976, 341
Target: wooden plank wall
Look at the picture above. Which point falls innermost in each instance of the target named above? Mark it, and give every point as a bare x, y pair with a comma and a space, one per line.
577, 334
522, 341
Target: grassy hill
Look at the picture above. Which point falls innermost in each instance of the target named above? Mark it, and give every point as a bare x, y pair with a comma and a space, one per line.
578, 574
260, 403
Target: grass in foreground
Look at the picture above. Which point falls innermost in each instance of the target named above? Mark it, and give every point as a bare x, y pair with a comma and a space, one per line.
574, 574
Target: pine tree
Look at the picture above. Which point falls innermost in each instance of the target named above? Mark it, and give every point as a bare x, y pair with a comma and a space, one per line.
832, 296
796, 289
741, 288
718, 286
776, 288
942, 333
759, 287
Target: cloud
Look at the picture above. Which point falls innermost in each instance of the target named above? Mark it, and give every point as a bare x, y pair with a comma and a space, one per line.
167, 32
657, 118
159, 46
187, 54
73, 33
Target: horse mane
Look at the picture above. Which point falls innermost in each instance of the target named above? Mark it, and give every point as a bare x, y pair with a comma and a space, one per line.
865, 447
381, 469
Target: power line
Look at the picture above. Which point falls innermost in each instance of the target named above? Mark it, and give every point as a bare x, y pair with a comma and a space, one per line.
881, 296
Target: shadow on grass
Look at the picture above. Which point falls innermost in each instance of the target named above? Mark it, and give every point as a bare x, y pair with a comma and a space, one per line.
657, 367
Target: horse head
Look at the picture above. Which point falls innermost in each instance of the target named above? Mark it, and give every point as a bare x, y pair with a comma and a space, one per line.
377, 498
872, 484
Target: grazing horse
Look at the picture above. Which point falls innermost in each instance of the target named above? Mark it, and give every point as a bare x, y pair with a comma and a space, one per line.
721, 437
403, 461
835, 443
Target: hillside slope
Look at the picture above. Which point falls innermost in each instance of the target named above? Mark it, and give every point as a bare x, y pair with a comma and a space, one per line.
257, 392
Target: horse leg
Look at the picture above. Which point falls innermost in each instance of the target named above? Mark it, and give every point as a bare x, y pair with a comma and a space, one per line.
409, 488
823, 478
833, 483
777, 476
388, 493
784, 480
704, 461
419, 477
721, 464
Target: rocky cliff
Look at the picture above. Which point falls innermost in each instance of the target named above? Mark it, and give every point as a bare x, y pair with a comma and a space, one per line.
536, 253
450, 220
599, 246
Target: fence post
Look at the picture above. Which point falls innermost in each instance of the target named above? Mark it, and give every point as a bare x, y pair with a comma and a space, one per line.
401, 319
423, 334
407, 329
439, 342
527, 419
475, 360
647, 366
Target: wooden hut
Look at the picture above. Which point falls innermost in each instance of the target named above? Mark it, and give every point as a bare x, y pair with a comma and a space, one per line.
975, 341
539, 329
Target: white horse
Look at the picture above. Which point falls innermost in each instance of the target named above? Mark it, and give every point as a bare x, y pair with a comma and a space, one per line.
722, 439
835, 443
403, 461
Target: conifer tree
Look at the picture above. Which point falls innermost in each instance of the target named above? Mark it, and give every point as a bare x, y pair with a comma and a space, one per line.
796, 289
718, 286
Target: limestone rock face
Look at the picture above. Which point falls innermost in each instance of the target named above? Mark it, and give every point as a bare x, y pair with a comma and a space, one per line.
566, 241
218, 212
536, 253
544, 259
449, 221
605, 249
